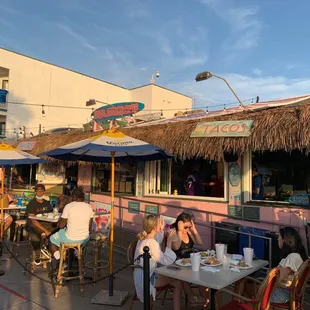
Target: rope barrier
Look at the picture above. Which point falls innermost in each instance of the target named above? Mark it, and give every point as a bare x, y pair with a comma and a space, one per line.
137, 260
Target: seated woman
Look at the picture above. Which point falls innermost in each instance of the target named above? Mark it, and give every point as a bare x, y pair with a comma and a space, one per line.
186, 237
8, 199
153, 226
294, 254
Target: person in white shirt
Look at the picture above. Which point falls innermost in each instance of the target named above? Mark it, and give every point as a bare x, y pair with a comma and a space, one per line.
152, 236
294, 254
77, 217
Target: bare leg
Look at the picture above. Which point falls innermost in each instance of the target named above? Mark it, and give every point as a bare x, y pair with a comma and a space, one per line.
162, 281
8, 222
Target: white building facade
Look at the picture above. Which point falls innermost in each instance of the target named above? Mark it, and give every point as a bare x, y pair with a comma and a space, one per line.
40, 96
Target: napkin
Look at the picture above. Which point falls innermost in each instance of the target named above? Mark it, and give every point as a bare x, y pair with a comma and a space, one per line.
234, 262
237, 257
210, 269
235, 269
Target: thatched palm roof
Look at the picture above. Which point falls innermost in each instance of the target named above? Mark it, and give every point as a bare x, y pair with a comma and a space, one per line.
283, 128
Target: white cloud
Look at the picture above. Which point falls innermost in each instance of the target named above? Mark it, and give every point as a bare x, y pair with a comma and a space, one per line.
246, 27
83, 41
266, 87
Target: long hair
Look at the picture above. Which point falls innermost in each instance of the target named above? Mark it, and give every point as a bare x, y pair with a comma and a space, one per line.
149, 224
292, 243
184, 217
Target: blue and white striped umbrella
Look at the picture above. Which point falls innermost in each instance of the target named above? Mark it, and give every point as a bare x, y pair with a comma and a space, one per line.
100, 148
10, 156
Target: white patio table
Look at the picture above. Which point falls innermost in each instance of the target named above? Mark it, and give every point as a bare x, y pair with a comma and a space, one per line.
215, 281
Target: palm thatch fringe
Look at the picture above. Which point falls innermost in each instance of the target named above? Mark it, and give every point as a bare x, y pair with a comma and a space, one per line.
283, 128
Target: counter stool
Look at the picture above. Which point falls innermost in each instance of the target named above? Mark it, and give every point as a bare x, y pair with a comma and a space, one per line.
98, 240
30, 256
19, 226
61, 273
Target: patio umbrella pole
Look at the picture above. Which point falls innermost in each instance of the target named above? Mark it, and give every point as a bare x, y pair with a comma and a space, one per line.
2, 215
112, 224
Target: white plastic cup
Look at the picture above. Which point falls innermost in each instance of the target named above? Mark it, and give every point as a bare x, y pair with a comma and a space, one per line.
248, 256
195, 261
226, 263
225, 250
219, 248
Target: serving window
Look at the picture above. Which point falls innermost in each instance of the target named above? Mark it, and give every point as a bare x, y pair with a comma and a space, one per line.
281, 176
125, 179
190, 178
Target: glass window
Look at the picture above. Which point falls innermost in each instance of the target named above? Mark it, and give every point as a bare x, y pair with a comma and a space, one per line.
125, 176
5, 84
280, 176
2, 129
196, 177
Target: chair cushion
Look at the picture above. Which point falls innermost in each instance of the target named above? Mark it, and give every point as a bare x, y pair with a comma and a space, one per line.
235, 305
98, 237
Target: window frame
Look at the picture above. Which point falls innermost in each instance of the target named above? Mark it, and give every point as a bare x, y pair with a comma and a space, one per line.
148, 183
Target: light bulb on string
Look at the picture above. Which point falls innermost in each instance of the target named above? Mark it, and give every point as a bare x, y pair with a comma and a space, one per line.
43, 112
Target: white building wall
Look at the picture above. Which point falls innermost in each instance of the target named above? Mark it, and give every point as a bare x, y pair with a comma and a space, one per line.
35, 82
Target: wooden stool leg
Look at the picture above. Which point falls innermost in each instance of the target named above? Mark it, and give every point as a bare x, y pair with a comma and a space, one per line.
60, 272
96, 258
81, 275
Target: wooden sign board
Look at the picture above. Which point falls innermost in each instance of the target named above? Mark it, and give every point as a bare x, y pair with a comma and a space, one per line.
240, 128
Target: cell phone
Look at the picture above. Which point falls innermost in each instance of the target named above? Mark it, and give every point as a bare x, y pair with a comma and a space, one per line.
173, 267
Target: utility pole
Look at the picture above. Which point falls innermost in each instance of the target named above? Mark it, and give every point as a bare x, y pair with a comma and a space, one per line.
40, 129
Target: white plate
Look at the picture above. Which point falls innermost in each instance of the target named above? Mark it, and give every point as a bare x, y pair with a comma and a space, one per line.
216, 265
178, 262
241, 268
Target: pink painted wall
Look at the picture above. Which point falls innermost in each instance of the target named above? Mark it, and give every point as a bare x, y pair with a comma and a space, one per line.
172, 207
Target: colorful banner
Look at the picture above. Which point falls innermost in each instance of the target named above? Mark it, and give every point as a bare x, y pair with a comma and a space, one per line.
51, 173
101, 223
240, 128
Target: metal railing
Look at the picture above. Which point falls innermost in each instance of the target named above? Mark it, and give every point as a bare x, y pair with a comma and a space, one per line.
212, 227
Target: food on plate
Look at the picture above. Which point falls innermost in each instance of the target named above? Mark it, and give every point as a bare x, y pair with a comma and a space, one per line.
185, 261
211, 261
39, 215
204, 254
242, 264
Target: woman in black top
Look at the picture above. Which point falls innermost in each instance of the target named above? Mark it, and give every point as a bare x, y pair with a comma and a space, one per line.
187, 237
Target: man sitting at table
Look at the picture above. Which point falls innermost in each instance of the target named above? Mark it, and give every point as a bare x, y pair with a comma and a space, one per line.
77, 217
38, 205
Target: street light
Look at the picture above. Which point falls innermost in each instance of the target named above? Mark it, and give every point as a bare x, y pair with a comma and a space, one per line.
157, 75
207, 75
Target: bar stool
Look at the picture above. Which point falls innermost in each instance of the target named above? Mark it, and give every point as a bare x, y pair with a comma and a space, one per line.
98, 240
61, 273
30, 256
19, 226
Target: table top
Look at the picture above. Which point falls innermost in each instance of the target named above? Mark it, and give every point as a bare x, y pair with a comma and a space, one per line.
44, 219
216, 280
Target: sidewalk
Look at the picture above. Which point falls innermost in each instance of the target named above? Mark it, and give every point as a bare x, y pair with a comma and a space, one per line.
18, 293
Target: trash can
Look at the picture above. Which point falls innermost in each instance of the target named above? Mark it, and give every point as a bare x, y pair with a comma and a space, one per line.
258, 244
230, 238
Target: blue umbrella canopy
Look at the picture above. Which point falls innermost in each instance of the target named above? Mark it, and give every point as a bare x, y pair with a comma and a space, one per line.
100, 148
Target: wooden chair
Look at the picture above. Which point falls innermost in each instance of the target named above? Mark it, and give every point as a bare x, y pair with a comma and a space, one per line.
130, 257
297, 289
262, 299
19, 226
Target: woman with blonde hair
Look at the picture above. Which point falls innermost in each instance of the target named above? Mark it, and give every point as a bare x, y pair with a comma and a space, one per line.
152, 236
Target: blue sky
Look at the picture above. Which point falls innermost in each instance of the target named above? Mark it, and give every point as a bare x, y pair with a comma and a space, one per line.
261, 47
